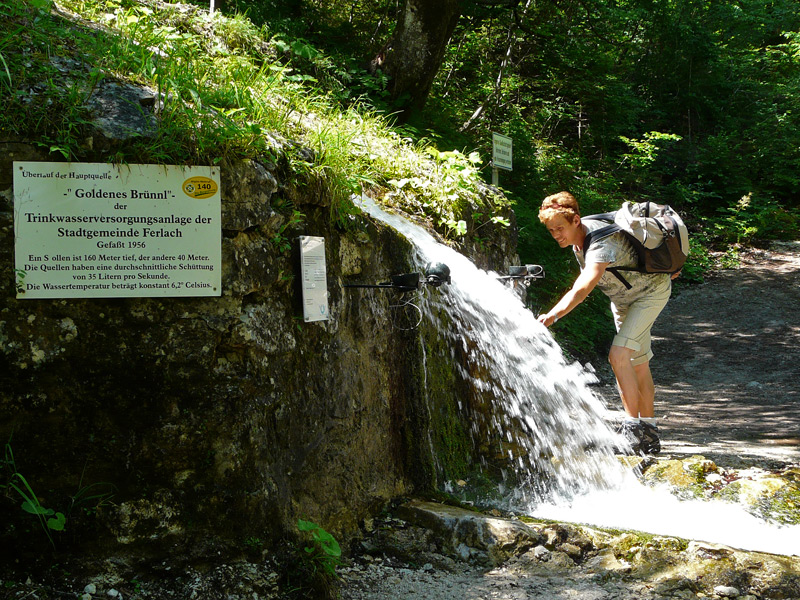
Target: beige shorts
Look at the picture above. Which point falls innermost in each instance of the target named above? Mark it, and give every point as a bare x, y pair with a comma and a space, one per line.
634, 322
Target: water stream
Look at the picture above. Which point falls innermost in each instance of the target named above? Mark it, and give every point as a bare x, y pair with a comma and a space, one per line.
547, 420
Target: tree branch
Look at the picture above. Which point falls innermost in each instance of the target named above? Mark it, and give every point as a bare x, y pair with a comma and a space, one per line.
495, 95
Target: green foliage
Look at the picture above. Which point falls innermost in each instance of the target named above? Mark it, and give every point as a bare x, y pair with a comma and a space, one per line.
443, 189
49, 519
254, 543
716, 75
694, 103
782, 507
755, 219
90, 497
5, 76
12, 482
698, 263
311, 572
225, 89
32, 505
324, 552
643, 153
281, 239
19, 280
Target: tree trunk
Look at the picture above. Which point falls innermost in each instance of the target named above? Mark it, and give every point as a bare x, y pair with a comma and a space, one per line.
416, 51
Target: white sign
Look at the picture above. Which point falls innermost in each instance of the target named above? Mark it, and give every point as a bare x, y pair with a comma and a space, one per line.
501, 151
95, 230
315, 282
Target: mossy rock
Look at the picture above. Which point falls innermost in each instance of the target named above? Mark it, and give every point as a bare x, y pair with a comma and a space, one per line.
779, 503
682, 474
754, 491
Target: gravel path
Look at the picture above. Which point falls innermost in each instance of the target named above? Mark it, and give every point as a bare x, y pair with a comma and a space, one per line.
519, 579
727, 364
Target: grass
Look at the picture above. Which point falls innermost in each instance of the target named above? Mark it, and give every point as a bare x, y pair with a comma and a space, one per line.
227, 90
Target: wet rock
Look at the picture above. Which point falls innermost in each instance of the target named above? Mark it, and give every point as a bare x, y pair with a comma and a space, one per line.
154, 518
673, 586
606, 561
458, 528
463, 552
681, 474
541, 552
704, 550
569, 539
753, 491
772, 495
627, 566
571, 550
560, 560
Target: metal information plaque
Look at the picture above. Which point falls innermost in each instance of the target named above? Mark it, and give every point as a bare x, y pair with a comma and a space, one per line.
502, 149
314, 282
94, 230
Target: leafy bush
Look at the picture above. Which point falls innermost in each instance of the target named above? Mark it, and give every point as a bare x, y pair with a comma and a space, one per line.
15, 482
311, 569
323, 553
755, 219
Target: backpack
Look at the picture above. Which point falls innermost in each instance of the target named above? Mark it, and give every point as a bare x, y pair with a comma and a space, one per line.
656, 232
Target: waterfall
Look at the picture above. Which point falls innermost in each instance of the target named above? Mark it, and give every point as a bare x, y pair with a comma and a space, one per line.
546, 416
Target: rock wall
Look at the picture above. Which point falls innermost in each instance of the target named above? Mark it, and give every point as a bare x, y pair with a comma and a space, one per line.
216, 420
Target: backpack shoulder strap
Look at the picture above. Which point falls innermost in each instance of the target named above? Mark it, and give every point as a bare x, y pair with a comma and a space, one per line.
609, 217
598, 234
615, 271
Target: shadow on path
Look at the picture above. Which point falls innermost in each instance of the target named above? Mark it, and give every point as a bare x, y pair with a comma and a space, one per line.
727, 364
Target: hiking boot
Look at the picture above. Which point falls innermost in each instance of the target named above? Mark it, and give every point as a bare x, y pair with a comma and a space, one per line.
649, 440
632, 432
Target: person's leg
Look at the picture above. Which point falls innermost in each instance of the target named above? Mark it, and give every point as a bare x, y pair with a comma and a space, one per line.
627, 381
650, 441
637, 390
631, 350
647, 434
647, 389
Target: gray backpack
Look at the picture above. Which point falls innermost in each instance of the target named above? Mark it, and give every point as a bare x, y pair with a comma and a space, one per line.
656, 232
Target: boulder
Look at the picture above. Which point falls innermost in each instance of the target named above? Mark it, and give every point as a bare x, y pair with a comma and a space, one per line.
456, 527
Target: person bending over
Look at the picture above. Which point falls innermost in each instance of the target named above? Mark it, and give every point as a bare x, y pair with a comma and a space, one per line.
635, 310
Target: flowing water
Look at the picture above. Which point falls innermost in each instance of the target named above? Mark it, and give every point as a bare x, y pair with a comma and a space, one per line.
545, 416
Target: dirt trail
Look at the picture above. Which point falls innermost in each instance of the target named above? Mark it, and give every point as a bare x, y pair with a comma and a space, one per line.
727, 364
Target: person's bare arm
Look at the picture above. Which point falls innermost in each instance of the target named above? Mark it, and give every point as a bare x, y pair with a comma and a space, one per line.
584, 284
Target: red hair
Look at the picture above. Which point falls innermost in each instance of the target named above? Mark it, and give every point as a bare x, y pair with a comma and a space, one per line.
562, 203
